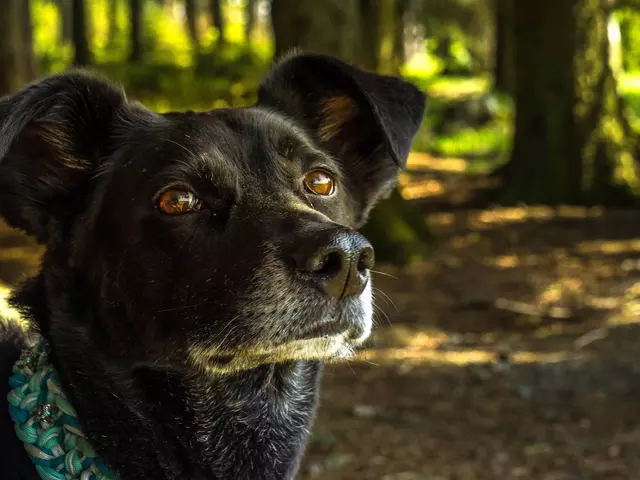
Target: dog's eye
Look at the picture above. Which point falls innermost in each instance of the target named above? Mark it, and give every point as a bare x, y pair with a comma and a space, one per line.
176, 202
319, 182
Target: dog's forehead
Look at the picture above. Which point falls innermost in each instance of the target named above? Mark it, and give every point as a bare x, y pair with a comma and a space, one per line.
244, 136
226, 147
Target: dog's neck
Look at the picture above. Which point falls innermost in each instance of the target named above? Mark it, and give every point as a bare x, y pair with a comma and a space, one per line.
174, 424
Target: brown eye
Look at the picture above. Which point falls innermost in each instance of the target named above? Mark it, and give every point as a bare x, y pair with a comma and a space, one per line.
319, 182
176, 202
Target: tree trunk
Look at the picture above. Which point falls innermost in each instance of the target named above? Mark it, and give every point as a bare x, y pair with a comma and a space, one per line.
66, 20
135, 54
80, 41
572, 144
391, 13
112, 13
382, 35
26, 28
191, 16
16, 47
331, 27
399, 56
370, 43
217, 18
504, 69
250, 20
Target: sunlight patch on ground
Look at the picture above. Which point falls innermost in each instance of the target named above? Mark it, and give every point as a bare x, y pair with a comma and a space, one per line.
422, 161
410, 338
481, 220
466, 357
414, 190
521, 214
630, 311
610, 247
512, 261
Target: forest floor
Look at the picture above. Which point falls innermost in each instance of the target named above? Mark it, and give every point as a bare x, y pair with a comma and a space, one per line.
511, 353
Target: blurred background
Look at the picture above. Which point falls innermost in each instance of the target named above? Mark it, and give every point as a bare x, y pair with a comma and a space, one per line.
508, 286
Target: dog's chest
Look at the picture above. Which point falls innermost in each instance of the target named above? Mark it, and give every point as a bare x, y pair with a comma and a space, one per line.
257, 435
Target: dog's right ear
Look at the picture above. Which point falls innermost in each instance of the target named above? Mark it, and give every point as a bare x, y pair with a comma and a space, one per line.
53, 136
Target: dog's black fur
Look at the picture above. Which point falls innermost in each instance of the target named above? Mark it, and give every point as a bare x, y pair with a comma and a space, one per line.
191, 345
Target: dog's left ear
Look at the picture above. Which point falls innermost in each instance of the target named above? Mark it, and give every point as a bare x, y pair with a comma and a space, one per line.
367, 121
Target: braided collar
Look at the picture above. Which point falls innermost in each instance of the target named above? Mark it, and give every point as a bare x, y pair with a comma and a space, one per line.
46, 422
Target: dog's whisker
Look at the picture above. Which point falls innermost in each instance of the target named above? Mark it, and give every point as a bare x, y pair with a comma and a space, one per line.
384, 273
365, 360
386, 297
375, 292
351, 368
379, 310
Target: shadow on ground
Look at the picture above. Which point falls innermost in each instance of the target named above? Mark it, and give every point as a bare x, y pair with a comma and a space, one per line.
511, 354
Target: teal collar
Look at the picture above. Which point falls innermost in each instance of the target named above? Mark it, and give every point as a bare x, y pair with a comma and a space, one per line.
46, 422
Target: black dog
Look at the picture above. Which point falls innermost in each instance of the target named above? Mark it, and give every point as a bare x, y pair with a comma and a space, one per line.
199, 267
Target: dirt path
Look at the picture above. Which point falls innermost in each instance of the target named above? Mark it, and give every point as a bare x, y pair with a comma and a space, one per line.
513, 354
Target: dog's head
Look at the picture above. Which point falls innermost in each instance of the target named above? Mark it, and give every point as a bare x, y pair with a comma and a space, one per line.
228, 237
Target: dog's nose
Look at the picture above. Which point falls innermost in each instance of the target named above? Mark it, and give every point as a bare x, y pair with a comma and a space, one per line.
337, 260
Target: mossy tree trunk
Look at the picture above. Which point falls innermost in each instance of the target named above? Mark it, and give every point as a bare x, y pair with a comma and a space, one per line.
358, 29
217, 19
249, 20
398, 231
17, 64
191, 17
135, 18
399, 55
114, 30
382, 35
66, 20
369, 57
330, 26
572, 143
79, 35
504, 69
26, 28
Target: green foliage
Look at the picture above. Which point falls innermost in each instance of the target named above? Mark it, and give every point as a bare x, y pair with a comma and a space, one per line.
459, 33
486, 147
485, 141
52, 55
172, 76
630, 30
227, 80
630, 90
